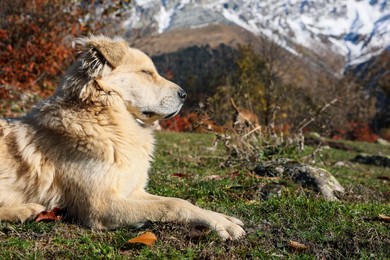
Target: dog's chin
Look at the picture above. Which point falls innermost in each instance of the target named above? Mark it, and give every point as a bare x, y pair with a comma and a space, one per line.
171, 115
148, 117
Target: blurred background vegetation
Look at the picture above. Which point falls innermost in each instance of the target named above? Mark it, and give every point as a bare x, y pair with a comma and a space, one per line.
290, 93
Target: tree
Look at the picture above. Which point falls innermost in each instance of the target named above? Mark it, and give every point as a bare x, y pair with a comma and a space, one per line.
260, 80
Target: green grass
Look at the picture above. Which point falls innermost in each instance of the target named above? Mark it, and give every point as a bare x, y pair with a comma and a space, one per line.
346, 229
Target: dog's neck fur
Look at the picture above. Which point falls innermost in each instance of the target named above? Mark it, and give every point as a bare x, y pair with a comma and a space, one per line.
106, 136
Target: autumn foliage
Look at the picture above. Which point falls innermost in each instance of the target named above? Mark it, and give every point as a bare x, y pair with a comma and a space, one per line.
34, 50
33, 47
356, 131
36, 45
178, 123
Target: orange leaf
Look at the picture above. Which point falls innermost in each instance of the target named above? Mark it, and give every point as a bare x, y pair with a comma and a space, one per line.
147, 238
297, 246
53, 215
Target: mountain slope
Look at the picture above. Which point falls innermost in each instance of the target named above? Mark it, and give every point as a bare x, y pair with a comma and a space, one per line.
201, 59
357, 30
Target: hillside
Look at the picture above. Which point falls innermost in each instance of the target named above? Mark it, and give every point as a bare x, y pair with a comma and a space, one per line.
354, 29
317, 41
199, 59
275, 211
202, 59
300, 49
375, 74
314, 73
179, 39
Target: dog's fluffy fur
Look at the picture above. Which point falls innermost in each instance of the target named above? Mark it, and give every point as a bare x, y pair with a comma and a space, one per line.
88, 147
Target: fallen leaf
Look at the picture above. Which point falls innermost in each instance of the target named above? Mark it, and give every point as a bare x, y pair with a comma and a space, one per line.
384, 217
179, 175
297, 246
147, 238
53, 215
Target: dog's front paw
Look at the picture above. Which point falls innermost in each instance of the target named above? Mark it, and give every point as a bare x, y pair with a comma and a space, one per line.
28, 211
228, 228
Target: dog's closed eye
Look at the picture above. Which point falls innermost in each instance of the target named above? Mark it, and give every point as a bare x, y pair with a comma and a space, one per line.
148, 72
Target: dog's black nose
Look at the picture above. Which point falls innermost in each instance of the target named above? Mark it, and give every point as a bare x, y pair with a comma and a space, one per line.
182, 95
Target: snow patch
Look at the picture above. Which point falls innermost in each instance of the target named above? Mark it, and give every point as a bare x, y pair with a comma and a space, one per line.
164, 18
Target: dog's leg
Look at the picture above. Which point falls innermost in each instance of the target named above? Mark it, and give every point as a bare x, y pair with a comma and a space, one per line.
155, 208
20, 213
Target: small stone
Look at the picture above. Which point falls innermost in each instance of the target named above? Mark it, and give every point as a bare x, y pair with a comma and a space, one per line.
339, 164
314, 135
279, 169
382, 141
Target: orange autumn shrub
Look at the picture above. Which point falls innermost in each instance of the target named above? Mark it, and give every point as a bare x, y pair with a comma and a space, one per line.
356, 131
35, 44
33, 52
177, 124
33, 49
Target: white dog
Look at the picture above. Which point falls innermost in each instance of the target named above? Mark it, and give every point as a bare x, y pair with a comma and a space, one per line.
88, 147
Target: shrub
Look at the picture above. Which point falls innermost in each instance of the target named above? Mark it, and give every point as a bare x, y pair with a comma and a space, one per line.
177, 124
356, 131
35, 44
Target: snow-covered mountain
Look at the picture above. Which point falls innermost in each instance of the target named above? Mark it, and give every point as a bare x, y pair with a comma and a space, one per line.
355, 29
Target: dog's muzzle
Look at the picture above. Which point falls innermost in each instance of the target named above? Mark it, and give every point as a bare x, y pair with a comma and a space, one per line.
182, 97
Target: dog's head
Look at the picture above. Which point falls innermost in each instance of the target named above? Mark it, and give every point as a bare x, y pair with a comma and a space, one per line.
110, 67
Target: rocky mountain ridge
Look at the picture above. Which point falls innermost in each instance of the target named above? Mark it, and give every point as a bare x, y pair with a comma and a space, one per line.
356, 30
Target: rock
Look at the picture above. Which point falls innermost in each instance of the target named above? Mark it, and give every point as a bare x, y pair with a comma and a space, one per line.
315, 135
341, 164
317, 179
383, 142
377, 160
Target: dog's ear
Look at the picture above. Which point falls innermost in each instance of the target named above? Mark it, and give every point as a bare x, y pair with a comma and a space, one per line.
98, 56
113, 51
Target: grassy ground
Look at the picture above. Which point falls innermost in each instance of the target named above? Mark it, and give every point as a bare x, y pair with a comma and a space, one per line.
346, 229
